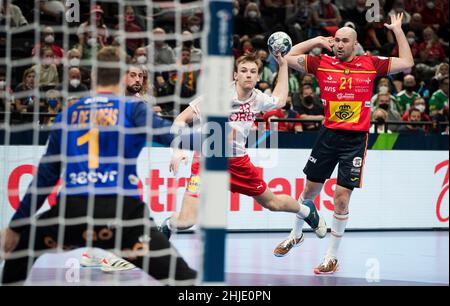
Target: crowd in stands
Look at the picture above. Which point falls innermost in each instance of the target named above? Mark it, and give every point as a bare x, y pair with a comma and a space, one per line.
58, 70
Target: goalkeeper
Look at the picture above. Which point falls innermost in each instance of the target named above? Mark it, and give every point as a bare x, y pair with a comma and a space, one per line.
94, 144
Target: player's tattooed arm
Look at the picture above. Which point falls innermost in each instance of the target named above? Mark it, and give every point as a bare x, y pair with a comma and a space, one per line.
297, 62
301, 61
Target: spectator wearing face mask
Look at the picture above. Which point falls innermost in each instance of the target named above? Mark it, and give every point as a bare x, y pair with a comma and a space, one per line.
413, 44
75, 82
193, 24
188, 42
254, 23
48, 72
74, 57
384, 87
309, 108
384, 103
380, 116
284, 113
420, 104
131, 27
414, 116
140, 56
54, 105
48, 41
74, 60
102, 32
407, 96
88, 40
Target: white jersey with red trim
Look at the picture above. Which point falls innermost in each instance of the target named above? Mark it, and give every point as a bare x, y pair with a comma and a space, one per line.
243, 115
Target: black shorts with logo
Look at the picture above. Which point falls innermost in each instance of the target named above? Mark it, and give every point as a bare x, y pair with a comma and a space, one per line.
332, 147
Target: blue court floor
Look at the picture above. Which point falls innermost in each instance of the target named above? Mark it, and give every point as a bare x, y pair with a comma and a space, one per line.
366, 258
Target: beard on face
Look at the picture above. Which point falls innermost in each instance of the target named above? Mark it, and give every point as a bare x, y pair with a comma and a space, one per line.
134, 89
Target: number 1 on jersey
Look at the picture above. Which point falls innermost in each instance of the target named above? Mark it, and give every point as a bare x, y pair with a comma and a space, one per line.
91, 137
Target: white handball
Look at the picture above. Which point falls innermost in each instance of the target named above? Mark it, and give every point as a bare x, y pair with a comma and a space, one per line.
279, 42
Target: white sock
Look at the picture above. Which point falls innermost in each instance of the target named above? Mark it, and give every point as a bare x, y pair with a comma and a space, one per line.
304, 210
297, 230
298, 223
337, 231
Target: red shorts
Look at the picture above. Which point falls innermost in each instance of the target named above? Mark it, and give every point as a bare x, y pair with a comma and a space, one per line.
193, 185
244, 177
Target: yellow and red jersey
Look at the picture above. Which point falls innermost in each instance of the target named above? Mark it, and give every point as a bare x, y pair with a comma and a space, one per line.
346, 88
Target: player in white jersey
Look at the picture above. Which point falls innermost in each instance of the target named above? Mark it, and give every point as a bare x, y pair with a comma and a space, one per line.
247, 102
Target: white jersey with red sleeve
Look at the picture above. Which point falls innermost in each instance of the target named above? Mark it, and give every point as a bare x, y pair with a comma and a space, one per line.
243, 115
346, 88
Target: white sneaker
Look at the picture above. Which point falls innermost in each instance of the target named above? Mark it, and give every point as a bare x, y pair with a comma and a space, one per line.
321, 230
286, 245
329, 265
114, 264
90, 260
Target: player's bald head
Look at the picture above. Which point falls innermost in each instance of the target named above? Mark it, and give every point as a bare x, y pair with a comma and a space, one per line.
347, 32
345, 43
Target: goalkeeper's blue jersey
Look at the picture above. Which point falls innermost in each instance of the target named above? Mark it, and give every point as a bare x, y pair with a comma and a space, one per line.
96, 142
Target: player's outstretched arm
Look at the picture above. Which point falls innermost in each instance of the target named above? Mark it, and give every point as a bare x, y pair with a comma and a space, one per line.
296, 58
185, 117
281, 90
178, 155
405, 59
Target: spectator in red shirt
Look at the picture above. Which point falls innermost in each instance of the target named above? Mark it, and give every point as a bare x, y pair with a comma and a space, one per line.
285, 112
419, 103
132, 27
432, 52
48, 41
413, 44
432, 15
